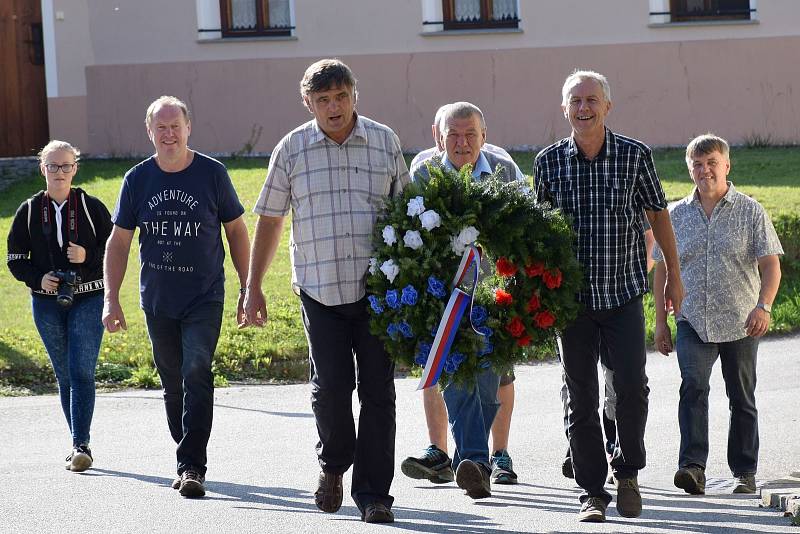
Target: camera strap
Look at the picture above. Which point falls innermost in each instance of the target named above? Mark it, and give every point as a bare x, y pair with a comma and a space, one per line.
72, 221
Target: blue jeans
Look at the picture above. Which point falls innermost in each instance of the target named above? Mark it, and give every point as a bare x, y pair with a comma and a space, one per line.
696, 359
182, 351
72, 338
471, 411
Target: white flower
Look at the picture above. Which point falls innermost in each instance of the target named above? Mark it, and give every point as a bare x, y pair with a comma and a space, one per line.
466, 236
412, 239
390, 269
430, 220
389, 236
373, 265
415, 206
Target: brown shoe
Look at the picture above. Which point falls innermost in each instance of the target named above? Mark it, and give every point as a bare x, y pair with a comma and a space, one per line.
473, 478
593, 510
328, 496
192, 484
691, 479
629, 500
377, 513
176, 484
745, 484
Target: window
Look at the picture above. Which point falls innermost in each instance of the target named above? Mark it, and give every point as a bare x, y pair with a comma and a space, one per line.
247, 18
702, 10
471, 14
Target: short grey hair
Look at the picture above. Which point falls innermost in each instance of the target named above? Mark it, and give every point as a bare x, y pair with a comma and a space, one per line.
163, 101
437, 119
461, 110
579, 75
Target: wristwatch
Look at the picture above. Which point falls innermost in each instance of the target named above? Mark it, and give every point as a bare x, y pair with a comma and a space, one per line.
766, 307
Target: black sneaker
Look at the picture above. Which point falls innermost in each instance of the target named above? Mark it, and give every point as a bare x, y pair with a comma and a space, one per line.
433, 465
691, 479
192, 484
745, 484
502, 468
328, 496
473, 478
593, 510
80, 459
566, 466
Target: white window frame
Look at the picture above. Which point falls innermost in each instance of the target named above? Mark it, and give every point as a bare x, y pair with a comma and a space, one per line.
432, 11
209, 18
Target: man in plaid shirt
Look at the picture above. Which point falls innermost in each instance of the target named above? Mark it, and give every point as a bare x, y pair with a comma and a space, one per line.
603, 181
333, 173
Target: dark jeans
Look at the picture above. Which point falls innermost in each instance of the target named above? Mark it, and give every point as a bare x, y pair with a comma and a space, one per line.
696, 359
336, 335
72, 339
182, 351
621, 329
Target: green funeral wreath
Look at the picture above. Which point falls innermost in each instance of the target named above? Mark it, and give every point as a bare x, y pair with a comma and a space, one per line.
529, 296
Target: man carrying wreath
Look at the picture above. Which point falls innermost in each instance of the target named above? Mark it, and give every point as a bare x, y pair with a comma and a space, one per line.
603, 181
471, 409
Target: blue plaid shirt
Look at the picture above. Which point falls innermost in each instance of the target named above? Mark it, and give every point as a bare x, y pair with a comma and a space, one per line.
604, 198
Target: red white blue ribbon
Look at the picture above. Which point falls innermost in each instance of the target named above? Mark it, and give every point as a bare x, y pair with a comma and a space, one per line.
451, 318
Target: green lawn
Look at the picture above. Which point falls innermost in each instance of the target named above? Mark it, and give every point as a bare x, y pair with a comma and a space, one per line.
279, 350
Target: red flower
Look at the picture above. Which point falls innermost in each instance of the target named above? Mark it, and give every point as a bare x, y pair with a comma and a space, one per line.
534, 269
505, 267
502, 297
544, 319
552, 278
533, 303
516, 327
524, 341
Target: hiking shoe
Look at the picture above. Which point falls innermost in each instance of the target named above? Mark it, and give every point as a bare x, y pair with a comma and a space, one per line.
192, 484
745, 484
377, 513
691, 479
473, 478
593, 510
502, 468
433, 465
80, 459
566, 467
629, 500
328, 496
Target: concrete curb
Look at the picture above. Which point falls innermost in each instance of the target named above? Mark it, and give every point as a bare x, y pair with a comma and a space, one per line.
784, 494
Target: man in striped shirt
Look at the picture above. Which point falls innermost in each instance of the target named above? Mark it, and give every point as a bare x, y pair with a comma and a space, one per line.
603, 181
333, 173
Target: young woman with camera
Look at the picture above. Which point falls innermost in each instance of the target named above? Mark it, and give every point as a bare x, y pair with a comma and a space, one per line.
56, 247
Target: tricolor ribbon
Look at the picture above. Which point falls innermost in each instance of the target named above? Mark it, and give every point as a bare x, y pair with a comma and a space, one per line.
448, 325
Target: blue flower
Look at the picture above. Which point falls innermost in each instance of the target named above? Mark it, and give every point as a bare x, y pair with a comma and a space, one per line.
422, 354
409, 296
392, 330
457, 357
405, 329
375, 304
485, 364
488, 348
434, 330
454, 359
485, 330
478, 315
450, 367
436, 287
393, 299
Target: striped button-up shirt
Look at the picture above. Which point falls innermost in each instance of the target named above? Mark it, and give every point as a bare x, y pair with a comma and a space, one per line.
604, 198
335, 193
719, 262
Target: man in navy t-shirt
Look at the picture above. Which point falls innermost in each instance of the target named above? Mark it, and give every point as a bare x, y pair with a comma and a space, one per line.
178, 199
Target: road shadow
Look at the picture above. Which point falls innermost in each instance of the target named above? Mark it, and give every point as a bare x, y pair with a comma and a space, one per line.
291, 415
267, 498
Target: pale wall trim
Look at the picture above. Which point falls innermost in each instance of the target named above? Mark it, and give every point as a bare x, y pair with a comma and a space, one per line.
50, 59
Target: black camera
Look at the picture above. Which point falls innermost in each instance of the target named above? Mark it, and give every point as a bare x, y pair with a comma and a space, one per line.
67, 280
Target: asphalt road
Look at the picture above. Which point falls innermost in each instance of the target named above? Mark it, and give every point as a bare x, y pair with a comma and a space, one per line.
262, 466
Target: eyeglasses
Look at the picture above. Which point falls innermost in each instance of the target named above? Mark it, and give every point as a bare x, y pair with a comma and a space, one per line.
54, 167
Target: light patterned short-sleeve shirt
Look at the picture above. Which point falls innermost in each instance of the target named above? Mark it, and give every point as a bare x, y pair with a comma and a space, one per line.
334, 193
719, 262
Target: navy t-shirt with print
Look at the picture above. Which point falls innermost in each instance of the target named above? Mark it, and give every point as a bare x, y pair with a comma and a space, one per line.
179, 216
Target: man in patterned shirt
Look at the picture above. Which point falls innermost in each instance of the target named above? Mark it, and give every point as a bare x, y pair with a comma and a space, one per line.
724, 239
334, 173
603, 181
